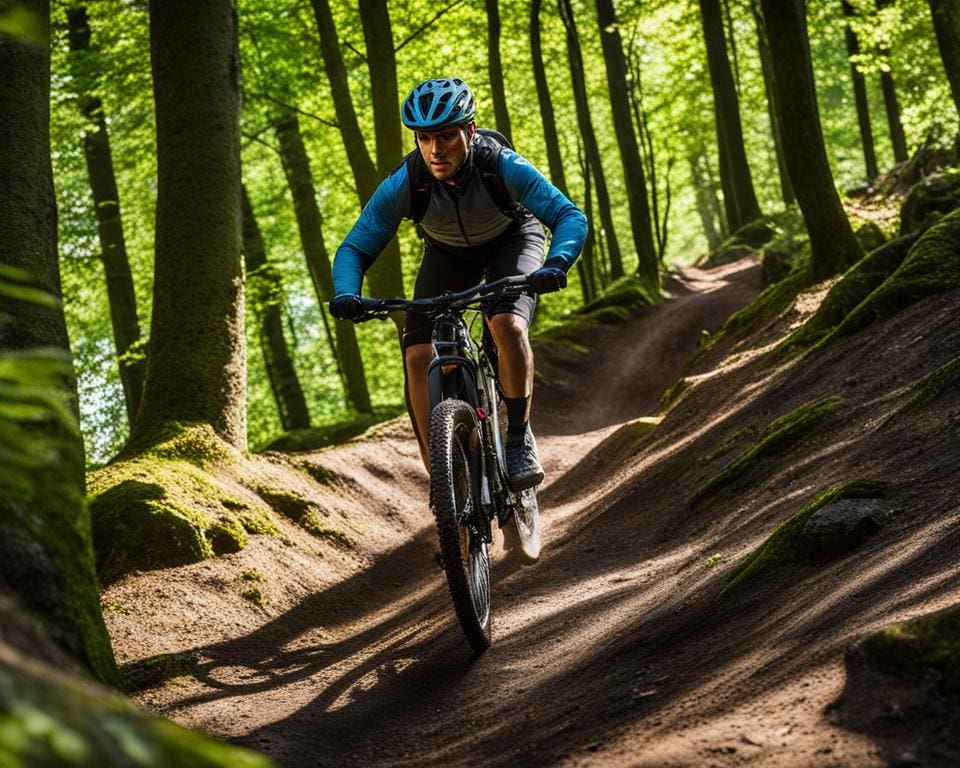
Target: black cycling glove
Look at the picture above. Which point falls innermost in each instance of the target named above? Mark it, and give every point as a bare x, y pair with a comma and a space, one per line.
552, 276
346, 306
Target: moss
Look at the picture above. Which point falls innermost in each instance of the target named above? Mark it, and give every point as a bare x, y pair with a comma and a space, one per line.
778, 436
156, 511
775, 265
932, 266
673, 393
855, 285
729, 442
913, 649
783, 545
156, 670
253, 594
303, 512
319, 473
933, 385
197, 443
251, 575
930, 199
625, 293
871, 236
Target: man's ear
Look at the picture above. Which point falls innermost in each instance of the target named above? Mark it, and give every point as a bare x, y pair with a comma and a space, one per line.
471, 131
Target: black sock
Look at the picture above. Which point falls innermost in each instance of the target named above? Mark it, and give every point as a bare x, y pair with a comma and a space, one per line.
516, 413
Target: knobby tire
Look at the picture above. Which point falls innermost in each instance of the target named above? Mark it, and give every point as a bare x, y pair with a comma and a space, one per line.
466, 560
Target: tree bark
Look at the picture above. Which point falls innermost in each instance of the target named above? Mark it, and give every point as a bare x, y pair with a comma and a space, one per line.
860, 95
296, 165
648, 269
897, 137
121, 295
495, 69
591, 148
745, 207
707, 205
832, 242
547, 116
46, 556
946, 26
766, 69
385, 278
284, 382
196, 364
382, 64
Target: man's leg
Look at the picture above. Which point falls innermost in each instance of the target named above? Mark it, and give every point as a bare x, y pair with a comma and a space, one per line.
516, 377
416, 360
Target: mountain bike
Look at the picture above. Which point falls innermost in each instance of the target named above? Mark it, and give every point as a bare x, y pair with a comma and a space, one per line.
468, 479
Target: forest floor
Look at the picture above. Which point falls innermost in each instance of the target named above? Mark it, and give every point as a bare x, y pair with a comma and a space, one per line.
619, 647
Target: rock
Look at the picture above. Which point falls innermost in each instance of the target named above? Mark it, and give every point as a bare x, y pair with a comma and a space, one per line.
755, 233
870, 236
775, 265
730, 252
840, 526
930, 200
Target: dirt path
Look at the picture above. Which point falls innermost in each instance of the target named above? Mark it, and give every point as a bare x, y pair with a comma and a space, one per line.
613, 650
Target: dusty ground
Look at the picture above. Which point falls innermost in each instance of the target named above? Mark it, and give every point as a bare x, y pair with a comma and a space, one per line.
617, 648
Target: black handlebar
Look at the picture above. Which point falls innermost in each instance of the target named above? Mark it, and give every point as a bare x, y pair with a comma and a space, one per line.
512, 285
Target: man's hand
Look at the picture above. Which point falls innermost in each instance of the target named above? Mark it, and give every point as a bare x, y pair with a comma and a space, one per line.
552, 276
346, 306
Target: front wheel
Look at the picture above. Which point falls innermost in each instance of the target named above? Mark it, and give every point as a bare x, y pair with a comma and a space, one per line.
454, 457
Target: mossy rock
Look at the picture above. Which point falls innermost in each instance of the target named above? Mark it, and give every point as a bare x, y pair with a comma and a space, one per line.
318, 438
625, 293
929, 200
775, 265
48, 718
931, 266
786, 544
777, 437
944, 379
155, 511
847, 293
920, 648
763, 310
730, 251
871, 236
755, 233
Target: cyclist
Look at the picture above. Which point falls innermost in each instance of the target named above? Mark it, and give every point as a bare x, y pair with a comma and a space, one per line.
477, 203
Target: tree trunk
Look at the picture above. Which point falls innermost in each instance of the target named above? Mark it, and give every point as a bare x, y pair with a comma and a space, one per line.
196, 365
547, 117
832, 242
284, 382
648, 269
46, 556
382, 63
385, 278
946, 25
766, 68
296, 165
707, 205
733, 156
898, 139
860, 95
495, 69
106, 205
587, 262
591, 149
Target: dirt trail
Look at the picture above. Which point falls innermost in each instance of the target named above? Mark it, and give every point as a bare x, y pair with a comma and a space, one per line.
613, 650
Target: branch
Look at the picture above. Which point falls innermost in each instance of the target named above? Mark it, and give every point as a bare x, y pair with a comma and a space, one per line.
255, 137
291, 107
425, 27
350, 46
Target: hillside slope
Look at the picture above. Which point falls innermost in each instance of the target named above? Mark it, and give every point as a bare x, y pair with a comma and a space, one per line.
626, 643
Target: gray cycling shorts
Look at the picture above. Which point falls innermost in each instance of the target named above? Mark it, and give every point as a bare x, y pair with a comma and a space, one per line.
518, 251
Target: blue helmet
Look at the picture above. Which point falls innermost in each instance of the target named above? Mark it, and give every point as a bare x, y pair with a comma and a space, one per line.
438, 103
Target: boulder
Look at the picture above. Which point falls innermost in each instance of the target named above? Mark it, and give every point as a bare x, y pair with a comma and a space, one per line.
840, 526
929, 200
871, 236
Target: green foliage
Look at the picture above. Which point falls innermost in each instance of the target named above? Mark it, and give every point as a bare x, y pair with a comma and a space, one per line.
783, 544
50, 719
777, 437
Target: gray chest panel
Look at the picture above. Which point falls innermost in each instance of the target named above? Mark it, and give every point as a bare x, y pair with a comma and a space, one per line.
470, 218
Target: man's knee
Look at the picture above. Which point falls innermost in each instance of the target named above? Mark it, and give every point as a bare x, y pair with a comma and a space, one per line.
417, 359
508, 329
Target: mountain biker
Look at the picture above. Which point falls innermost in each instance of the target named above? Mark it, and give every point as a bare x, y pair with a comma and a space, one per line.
445, 184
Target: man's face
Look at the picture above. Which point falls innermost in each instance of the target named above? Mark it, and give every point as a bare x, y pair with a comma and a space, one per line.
444, 150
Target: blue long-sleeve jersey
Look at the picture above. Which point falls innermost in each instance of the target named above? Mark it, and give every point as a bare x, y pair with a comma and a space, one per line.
459, 217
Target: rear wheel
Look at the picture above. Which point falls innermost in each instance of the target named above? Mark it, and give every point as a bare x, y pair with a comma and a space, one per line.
454, 451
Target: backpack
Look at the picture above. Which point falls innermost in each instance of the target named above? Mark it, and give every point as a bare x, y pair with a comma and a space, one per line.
487, 145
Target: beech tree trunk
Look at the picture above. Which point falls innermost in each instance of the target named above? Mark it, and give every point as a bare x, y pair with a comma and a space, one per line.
591, 148
121, 295
284, 382
46, 556
946, 25
708, 207
897, 137
495, 69
744, 206
860, 95
196, 364
832, 242
296, 165
648, 268
385, 278
766, 69
382, 63
547, 116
